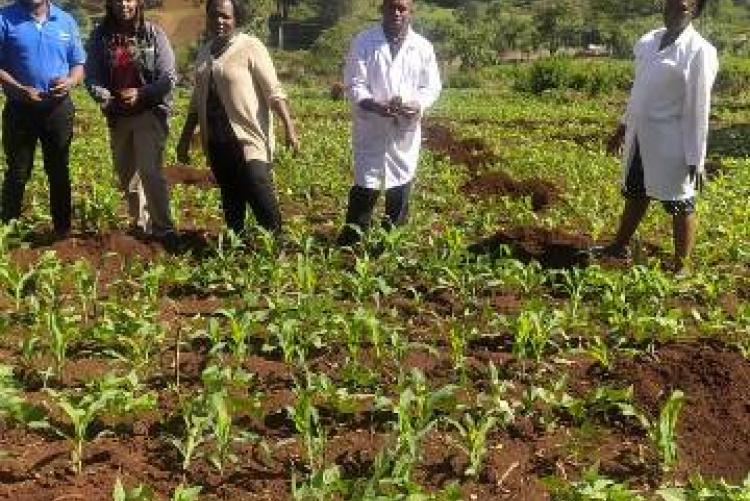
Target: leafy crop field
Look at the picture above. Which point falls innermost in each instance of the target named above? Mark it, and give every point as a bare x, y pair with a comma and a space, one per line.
473, 355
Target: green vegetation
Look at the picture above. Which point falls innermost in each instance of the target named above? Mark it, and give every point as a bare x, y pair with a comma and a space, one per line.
323, 373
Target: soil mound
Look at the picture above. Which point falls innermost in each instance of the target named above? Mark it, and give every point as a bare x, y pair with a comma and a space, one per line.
115, 246
714, 425
473, 153
184, 174
552, 249
94, 248
542, 193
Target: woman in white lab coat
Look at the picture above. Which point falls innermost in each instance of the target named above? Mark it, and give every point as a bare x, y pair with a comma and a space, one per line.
665, 128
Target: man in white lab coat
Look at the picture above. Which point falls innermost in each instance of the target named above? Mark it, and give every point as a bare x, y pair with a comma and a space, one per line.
391, 77
665, 128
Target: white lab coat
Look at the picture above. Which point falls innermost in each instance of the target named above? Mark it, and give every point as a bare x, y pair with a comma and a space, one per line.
386, 150
668, 111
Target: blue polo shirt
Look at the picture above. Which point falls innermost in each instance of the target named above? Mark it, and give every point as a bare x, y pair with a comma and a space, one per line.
36, 53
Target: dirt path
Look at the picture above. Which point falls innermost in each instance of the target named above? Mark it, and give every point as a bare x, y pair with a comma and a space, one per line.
183, 20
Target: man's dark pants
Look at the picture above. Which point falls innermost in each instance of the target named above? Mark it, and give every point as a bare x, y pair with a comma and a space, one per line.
24, 125
362, 203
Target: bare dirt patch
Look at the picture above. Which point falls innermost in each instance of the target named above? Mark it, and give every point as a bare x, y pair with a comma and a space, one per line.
714, 425
476, 156
184, 174
473, 153
551, 248
543, 193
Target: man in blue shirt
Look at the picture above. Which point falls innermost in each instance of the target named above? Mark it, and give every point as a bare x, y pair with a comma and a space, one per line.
41, 60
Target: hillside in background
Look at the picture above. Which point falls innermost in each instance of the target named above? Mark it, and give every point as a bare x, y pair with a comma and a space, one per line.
468, 33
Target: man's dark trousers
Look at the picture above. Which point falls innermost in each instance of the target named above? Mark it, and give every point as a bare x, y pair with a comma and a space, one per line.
362, 203
51, 124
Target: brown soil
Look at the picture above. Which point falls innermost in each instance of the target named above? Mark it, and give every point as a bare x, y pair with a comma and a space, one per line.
542, 193
552, 249
184, 174
476, 155
473, 153
714, 425
92, 248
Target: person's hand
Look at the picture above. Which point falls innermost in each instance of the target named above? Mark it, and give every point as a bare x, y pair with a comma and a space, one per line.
698, 179
104, 105
128, 97
381, 109
60, 87
183, 151
28, 94
409, 110
614, 144
292, 141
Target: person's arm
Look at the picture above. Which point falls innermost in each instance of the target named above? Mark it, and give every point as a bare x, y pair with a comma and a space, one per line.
281, 108
164, 64
94, 80
63, 85
188, 129
357, 84
76, 60
265, 74
17, 91
430, 85
696, 109
13, 88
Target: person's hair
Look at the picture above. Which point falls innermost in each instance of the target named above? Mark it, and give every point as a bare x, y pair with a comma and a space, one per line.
699, 6
240, 12
109, 22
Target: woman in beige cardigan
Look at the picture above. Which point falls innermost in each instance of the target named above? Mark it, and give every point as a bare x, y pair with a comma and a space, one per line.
236, 88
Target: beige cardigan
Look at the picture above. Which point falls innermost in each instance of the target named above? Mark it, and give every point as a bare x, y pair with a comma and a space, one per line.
246, 82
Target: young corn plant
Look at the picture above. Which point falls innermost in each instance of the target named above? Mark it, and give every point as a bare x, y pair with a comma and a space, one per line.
365, 283
196, 419
14, 408
473, 434
495, 400
80, 411
111, 394
306, 419
417, 411
533, 330
306, 277
61, 333
87, 289
592, 486
700, 489
228, 392
140, 493
664, 432
459, 342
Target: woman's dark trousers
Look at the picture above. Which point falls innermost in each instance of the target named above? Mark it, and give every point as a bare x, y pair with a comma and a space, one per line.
243, 182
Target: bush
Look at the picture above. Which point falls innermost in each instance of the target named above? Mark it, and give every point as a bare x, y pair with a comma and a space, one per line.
585, 75
734, 75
